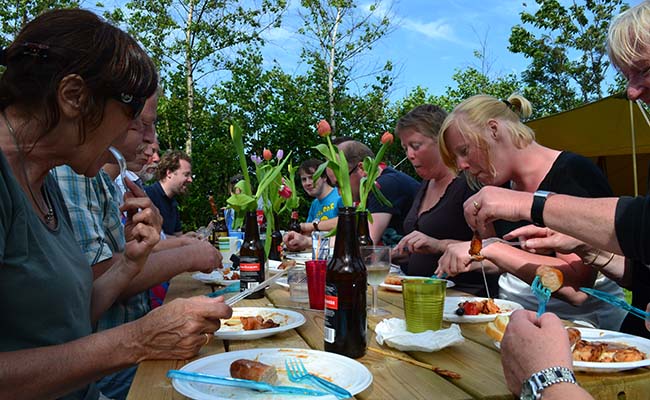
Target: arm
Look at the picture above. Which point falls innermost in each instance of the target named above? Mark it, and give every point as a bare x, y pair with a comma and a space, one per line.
530, 345
420, 243
296, 241
586, 219
379, 224
173, 331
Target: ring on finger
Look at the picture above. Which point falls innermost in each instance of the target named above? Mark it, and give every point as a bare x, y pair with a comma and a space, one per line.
477, 206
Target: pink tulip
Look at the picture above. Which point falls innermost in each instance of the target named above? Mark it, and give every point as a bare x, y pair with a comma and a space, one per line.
324, 128
267, 155
284, 191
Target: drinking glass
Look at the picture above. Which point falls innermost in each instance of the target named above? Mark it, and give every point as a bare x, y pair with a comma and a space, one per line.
377, 261
424, 301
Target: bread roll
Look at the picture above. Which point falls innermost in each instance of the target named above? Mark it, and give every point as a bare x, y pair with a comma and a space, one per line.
551, 278
496, 329
253, 370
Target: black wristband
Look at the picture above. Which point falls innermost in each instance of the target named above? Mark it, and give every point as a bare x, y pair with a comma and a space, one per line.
315, 223
537, 209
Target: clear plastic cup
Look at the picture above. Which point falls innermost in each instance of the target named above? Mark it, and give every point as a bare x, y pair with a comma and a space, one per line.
297, 279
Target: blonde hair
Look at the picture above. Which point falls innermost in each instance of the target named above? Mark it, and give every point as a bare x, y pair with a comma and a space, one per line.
471, 116
629, 36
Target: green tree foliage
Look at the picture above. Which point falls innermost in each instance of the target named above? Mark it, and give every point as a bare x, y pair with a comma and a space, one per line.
15, 14
566, 49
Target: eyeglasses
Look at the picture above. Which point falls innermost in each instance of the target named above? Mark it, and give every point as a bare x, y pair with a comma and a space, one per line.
135, 104
353, 169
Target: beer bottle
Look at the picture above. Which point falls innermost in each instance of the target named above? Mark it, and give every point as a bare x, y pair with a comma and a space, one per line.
214, 237
251, 257
294, 225
363, 232
221, 228
275, 253
345, 292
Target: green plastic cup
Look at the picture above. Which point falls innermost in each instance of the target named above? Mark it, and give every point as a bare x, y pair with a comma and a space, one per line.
424, 301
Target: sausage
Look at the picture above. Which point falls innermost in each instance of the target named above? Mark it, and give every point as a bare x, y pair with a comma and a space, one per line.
253, 370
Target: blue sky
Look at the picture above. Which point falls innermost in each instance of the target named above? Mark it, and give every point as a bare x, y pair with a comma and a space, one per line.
431, 39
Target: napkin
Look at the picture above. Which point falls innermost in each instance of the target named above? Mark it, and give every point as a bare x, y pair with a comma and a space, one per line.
393, 332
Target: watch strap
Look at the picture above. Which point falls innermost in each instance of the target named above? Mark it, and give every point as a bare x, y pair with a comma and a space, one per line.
315, 223
547, 377
537, 209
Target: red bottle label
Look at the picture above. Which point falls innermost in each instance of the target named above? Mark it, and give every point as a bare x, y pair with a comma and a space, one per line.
249, 267
260, 217
294, 214
332, 302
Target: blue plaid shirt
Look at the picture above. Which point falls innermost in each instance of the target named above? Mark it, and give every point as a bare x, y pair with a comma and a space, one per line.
93, 205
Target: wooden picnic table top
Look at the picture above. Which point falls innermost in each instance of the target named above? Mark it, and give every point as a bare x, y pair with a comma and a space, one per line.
477, 360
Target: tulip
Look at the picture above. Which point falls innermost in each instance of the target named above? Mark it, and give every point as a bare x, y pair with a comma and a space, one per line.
256, 159
267, 154
279, 154
285, 191
387, 138
324, 128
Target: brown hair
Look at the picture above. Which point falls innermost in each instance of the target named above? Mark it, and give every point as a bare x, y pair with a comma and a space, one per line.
355, 152
171, 161
425, 119
59, 43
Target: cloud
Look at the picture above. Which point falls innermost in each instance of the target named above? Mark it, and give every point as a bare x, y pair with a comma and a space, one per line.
433, 30
278, 34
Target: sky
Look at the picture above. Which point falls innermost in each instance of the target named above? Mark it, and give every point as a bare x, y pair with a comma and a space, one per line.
431, 39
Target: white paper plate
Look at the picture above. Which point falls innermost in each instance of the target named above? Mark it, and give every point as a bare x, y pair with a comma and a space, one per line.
398, 288
600, 335
299, 257
214, 277
343, 371
286, 318
451, 305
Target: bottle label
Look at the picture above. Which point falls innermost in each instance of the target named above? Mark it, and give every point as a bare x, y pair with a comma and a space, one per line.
330, 335
249, 267
332, 302
294, 214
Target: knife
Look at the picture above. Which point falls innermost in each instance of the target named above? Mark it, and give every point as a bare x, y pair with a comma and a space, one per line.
241, 383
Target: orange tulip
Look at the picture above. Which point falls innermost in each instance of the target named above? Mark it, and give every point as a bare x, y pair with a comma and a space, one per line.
324, 128
267, 154
387, 138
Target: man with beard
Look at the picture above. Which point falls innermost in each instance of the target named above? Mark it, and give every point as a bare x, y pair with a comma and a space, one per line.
174, 175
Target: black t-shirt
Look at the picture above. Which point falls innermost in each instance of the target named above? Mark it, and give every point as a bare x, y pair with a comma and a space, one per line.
168, 208
399, 189
445, 220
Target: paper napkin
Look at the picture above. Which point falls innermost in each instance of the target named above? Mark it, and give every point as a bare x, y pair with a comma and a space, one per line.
393, 332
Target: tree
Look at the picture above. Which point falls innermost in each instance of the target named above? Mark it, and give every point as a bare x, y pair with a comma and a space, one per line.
15, 14
196, 38
566, 47
338, 34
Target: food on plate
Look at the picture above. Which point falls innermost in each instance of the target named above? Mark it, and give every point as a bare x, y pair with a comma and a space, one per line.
497, 328
487, 306
475, 247
596, 351
287, 264
257, 322
393, 279
551, 278
253, 371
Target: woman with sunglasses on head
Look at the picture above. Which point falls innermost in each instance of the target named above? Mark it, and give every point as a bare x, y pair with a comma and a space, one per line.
484, 136
71, 86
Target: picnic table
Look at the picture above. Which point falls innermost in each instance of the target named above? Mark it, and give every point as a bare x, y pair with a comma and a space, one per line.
477, 360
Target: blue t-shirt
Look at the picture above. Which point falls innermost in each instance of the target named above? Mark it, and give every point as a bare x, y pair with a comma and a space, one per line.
326, 208
168, 208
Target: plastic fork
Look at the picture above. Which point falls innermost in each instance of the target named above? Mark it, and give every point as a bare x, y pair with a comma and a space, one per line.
542, 293
121, 161
615, 301
297, 372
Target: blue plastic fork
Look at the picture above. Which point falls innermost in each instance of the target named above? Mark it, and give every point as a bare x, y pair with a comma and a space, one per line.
542, 293
297, 372
615, 301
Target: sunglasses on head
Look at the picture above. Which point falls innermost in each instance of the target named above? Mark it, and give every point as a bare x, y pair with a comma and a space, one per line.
135, 104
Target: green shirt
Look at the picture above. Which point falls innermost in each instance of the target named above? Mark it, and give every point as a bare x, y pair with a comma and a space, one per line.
45, 281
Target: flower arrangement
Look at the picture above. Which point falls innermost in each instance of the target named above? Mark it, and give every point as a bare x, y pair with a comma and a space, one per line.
276, 192
337, 162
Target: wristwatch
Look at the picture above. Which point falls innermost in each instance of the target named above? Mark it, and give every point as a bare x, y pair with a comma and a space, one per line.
533, 386
537, 209
315, 223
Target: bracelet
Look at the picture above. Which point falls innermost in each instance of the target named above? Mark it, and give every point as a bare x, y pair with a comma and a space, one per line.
594, 260
600, 267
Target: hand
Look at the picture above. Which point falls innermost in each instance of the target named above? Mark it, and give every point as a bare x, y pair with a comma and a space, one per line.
417, 242
142, 226
455, 260
176, 330
206, 257
492, 203
530, 345
543, 240
296, 241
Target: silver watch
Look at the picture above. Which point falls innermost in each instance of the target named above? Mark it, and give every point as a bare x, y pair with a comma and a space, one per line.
533, 386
